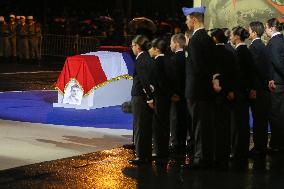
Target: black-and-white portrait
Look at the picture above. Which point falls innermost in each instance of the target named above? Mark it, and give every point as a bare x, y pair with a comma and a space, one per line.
73, 94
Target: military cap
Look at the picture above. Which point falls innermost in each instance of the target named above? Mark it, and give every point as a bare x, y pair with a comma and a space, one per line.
187, 11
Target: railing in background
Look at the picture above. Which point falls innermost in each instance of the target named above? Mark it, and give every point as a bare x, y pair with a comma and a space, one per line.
64, 45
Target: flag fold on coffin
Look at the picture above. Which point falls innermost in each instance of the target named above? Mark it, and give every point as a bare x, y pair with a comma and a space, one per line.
95, 69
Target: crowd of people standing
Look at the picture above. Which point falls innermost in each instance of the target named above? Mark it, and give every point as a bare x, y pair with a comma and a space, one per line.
205, 90
20, 40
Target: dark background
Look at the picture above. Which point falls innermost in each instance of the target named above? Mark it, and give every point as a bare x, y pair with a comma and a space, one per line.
130, 8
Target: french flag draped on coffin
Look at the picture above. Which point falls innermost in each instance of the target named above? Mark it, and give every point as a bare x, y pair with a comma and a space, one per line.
95, 80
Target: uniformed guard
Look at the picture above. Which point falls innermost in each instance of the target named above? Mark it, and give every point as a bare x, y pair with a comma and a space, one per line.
38, 42
31, 38
22, 37
12, 39
18, 18
199, 92
4, 35
35, 37
1, 38
17, 39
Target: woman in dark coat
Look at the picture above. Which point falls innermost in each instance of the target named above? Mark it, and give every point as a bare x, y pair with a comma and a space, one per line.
142, 96
162, 81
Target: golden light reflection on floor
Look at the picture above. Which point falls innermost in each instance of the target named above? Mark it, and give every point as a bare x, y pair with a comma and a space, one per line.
100, 170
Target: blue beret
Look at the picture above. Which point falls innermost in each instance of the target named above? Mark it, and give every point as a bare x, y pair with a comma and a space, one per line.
187, 11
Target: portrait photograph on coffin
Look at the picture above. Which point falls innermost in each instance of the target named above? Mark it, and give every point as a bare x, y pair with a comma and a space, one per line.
97, 79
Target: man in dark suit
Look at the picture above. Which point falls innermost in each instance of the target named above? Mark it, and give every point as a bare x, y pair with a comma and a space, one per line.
199, 91
275, 48
224, 84
260, 97
179, 114
162, 82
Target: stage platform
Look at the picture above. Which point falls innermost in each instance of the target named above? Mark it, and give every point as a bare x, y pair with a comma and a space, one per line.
36, 107
33, 131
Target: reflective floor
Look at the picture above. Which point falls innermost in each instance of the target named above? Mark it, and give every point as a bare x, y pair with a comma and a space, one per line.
110, 169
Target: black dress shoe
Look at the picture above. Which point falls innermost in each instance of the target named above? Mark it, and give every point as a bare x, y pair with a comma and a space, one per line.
139, 161
129, 146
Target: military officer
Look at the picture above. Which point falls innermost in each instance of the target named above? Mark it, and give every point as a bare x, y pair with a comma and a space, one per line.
12, 38
22, 37
198, 88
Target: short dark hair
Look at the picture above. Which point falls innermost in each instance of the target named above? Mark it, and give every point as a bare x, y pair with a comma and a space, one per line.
180, 39
273, 22
227, 32
219, 35
241, 32
142, 41
160, 44
257, 27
